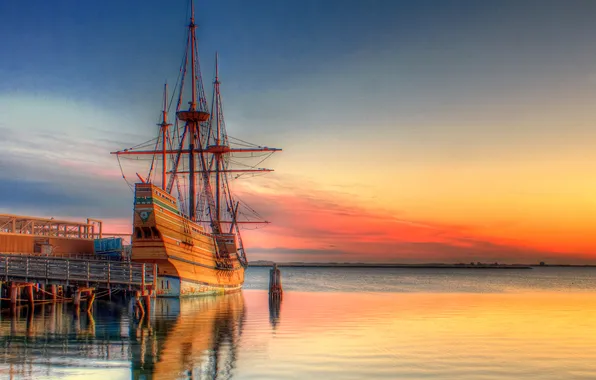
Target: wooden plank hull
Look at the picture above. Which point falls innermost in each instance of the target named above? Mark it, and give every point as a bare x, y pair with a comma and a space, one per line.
185, 254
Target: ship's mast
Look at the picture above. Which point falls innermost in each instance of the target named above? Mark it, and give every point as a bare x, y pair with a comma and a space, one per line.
217, 139
193, 117
164, 137
193, 123
205, 141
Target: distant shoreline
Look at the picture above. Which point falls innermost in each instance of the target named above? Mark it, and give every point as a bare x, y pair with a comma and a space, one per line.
408, 266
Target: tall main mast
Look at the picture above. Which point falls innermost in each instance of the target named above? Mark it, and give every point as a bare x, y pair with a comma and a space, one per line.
193, 125
194, 116
216, 98
164, 138
204, 139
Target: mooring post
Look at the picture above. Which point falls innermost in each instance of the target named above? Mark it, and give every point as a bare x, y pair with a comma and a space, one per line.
275, 281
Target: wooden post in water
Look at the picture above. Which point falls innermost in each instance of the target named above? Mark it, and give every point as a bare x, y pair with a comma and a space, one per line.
77, 299
90, 301
275, 289
139, 304
14, 291
54, 292
143, 279
147, 299
30, 294
154, 290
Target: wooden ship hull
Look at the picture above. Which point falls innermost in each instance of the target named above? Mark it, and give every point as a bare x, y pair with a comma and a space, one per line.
186, 256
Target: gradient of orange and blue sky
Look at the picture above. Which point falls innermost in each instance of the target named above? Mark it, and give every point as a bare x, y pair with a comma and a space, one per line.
413, 131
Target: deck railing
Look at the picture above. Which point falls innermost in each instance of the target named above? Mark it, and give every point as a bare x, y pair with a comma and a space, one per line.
49, 269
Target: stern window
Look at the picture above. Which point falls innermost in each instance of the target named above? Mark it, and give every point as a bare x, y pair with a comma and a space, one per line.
155, 233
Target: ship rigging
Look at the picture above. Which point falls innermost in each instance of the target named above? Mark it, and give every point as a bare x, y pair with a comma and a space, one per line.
200, 137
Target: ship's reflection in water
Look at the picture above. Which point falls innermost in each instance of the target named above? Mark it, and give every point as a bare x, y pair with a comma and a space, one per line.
196, 337
317, 335
189, 338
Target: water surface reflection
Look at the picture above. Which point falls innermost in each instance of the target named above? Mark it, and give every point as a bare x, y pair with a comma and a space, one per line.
194, 338
331, 335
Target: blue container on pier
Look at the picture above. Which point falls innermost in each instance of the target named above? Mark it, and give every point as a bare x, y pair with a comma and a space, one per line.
108, 247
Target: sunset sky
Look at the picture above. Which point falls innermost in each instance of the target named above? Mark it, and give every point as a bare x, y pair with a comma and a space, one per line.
413, 131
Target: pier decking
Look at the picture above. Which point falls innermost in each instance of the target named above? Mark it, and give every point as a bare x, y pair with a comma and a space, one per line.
75, 272
72, 278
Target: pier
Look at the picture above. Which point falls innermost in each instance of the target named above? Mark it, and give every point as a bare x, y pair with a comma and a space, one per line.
67, 279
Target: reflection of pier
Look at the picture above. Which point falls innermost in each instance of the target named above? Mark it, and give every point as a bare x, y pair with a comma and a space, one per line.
194, 338
51, 337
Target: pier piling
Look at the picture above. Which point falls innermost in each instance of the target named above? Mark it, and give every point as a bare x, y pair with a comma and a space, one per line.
30, 294
14, 291
54, 292
275, 289
90, 302
77, 299
147, 299
29, 279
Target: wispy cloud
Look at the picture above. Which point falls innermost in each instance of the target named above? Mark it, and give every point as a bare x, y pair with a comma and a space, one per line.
315, 225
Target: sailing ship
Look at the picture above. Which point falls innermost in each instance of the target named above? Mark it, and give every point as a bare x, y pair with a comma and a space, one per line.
188, 223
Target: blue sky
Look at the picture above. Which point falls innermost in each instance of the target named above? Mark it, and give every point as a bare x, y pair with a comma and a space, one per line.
384, 101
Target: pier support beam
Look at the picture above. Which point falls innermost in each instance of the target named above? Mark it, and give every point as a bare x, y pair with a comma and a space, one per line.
54, 292
154, 289
30, 293
77, 299
139, 305
90, 302
147, 299
14, 291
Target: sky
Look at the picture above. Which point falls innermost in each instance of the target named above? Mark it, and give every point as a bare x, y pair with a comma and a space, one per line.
413, 131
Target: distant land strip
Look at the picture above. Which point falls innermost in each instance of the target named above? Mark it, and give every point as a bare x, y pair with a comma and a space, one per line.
371, 265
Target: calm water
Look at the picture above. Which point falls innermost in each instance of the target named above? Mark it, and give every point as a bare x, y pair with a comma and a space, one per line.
331, 324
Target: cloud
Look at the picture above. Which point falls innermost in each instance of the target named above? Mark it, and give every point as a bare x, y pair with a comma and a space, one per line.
314, 225
55, 163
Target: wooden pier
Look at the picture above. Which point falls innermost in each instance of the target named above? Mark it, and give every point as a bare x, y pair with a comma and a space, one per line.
63, 278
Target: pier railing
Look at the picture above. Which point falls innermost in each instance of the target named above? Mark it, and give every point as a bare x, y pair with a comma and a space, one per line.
68, 271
